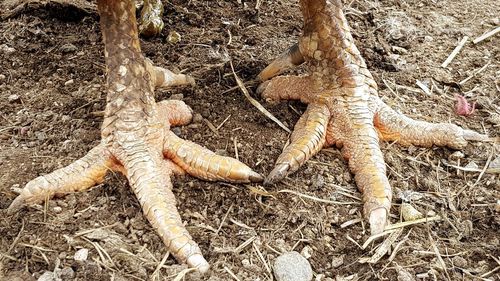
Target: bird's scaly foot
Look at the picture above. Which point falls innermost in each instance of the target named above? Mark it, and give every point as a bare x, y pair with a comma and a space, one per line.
137, 141
344, 108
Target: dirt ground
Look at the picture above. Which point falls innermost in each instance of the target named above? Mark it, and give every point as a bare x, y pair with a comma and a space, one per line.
51, 85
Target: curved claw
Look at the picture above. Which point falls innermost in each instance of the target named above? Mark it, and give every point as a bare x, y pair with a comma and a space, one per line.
279, 172
475, 136
288, 59
198, 262
378, 220
307, 139
151, 23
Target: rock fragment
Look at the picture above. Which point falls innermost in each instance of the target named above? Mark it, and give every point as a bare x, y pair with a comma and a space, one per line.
292, 266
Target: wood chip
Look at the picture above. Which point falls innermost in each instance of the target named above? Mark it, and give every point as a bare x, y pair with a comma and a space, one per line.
486, 35
455, 51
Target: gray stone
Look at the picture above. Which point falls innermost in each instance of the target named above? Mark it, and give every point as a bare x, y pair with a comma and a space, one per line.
292, 266
48, 276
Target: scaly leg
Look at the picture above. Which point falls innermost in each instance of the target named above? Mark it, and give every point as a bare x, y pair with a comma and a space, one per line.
137, 141
343, 95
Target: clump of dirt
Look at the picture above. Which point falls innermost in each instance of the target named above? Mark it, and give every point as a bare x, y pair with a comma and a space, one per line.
51, 80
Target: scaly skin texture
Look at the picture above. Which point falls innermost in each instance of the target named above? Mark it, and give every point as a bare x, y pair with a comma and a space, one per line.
137, 141
344, 108
151, 23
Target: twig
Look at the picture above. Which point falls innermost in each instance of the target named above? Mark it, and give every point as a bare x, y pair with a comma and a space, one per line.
231, 273
465, 169
486, 35
350, 222
384, 247
211, 126
438, 255
475, 73
36, 247
224, 219
183, 273
376, 236
489, 273
259, 254
236, 148
222, 123
408, 223
14, 243
396, 248
317, 199
255, 103
432, 253
244, 244
160, 265
423, 87
484, 169
240, 224
353, 241
455, 51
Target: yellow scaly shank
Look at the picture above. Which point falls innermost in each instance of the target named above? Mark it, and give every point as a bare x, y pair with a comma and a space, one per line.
137, 141
344, 108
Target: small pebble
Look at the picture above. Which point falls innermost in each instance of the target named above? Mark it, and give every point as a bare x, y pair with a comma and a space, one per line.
68, 48
67, 273
338, 261
245, 263
306, 252
471, 165
197, 118
177, 131
57, 209
13, 98
221, 152
69, 82
495, 164
173, 37
459, 262
81, 255
399, 50
456, 155
47, 276
409, 212
2, 77
176, 97
404, 275
318, 181
292, 266
6, 49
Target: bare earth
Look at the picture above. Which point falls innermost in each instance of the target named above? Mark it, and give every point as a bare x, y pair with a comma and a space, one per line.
51, 87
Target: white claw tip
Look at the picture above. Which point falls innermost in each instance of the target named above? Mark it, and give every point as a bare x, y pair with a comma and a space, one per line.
198, 261
378, 220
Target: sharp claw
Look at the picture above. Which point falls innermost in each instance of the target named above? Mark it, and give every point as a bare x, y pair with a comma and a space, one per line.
16, 205
198, 261
475, 136
262, 87
378, 220
278, 173
255, 177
